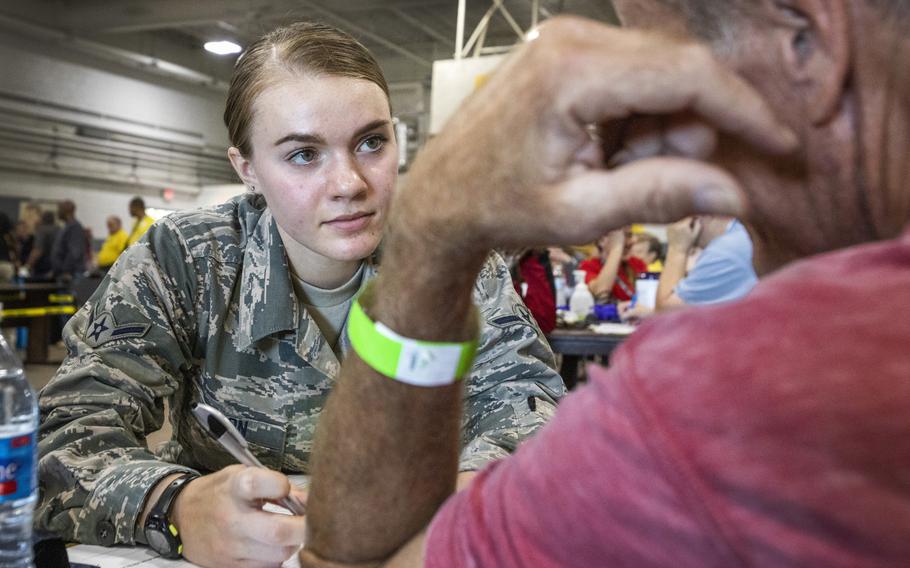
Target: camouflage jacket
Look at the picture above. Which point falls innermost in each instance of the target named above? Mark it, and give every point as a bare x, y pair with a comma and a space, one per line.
203, 309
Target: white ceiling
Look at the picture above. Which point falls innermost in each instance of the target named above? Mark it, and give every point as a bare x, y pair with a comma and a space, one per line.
406, 35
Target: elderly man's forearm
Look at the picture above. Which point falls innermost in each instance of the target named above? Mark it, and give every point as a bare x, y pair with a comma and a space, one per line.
375, 490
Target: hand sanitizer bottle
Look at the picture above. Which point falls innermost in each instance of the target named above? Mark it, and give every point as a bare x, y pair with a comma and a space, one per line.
582, 302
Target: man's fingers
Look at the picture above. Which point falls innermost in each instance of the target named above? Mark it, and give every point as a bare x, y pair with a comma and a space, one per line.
253, 484
657, 190
728, 102
688, 137
684, 135
622, 73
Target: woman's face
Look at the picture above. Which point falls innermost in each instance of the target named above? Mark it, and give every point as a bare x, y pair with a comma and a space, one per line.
642, 249
324, 156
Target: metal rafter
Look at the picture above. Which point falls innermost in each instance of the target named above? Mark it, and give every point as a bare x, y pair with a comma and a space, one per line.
478, 37
367, 33
414, 22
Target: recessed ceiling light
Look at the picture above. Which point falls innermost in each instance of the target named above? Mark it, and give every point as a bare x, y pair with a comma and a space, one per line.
222, 47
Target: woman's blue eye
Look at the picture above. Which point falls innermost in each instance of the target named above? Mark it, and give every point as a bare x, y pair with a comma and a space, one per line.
304, 156
372, 144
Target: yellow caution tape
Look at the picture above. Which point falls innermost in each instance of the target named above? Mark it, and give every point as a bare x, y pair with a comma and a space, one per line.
39, 312
61, 298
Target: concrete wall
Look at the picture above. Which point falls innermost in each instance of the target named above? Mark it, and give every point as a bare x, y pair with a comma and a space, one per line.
47, 84
49, 73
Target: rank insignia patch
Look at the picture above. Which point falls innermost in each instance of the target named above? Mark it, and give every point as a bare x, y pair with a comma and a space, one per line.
103, 328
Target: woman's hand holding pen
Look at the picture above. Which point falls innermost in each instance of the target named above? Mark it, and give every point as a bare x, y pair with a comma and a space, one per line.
221, 521
633, 312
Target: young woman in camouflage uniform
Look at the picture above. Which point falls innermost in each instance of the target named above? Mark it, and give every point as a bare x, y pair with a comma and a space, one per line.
242, 306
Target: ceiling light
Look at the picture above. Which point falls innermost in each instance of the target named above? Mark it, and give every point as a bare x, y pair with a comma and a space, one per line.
222, 47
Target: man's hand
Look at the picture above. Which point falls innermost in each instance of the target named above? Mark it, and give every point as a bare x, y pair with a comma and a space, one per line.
524, 161
222, 524
683, 235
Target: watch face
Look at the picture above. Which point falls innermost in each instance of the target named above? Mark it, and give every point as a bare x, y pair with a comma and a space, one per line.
158, 542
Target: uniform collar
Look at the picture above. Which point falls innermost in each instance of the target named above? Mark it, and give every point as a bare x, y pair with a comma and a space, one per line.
311, 344
267, 303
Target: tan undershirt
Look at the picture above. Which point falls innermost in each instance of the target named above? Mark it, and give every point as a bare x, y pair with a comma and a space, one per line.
329, 308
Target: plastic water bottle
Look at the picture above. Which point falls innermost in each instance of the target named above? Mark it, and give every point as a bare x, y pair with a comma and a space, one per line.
582, 301
562, 299
18, 425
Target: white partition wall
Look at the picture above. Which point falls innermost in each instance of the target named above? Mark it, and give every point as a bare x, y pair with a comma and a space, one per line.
453, 81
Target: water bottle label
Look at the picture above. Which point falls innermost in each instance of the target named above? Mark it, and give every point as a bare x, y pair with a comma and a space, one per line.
17, 462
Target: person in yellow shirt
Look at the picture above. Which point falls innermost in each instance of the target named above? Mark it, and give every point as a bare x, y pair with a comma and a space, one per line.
115, 244
143, 221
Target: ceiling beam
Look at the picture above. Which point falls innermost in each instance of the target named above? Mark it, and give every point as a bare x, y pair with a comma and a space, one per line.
351, 26
422, 26
125, 16
164, 24
131, 59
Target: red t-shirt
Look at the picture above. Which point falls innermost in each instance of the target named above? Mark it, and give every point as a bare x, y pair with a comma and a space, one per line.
624, 287
770, 432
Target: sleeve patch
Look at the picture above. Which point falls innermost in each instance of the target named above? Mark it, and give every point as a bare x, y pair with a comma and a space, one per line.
103, 329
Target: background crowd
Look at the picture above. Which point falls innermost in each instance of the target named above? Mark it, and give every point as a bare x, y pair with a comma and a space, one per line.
52, 245
703, 260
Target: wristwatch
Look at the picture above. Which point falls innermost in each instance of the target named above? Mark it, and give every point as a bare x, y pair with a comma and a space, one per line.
160, 533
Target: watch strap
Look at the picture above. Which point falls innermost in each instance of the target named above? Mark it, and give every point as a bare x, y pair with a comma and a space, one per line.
159, 520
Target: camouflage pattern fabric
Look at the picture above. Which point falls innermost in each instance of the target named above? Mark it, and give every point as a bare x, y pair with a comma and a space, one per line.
203, 309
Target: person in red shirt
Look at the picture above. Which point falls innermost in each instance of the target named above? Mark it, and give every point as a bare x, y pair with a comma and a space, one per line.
611, 275
532, 276
765, 433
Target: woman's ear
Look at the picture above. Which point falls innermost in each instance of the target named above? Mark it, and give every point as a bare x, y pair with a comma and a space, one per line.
243, 167
815, 44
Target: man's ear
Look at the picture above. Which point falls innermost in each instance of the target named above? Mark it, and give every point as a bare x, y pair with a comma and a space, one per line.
815, 45
243, 167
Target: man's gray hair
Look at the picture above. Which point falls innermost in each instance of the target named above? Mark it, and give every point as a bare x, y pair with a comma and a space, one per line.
894, 8
712, 19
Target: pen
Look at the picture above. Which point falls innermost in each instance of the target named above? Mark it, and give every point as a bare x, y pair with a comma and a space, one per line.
227, 435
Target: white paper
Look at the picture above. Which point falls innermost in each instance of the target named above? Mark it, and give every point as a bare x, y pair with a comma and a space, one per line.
613, 328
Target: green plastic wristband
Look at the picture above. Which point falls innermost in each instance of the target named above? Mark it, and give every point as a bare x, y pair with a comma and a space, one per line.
411, 361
